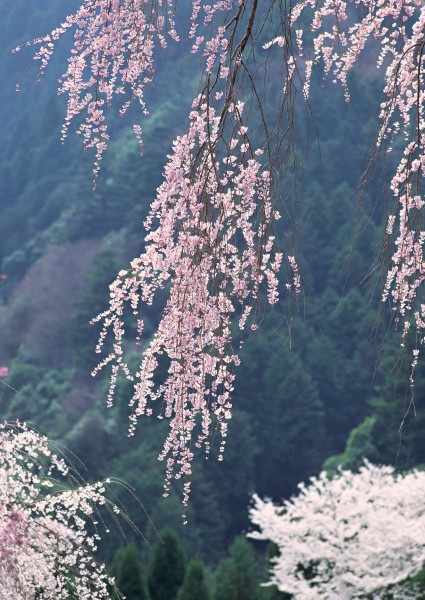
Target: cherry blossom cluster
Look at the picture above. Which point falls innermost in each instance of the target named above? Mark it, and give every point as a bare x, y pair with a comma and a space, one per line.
46, 551
347, 537
210, 244
113, 55
114, 51
395, 31
116, 43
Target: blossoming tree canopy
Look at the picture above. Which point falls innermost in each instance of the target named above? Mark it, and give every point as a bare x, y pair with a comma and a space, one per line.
346, 537
211, 242
46, 550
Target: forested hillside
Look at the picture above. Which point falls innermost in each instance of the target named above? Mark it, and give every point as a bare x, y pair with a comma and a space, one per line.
321, 381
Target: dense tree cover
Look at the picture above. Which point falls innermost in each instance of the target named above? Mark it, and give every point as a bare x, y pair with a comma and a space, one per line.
393, 431
237, 577
194, 585
128, 574
166, 569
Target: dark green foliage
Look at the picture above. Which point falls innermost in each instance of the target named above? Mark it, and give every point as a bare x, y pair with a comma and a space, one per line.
290, 424
418, 584
393, 433
360, 445
128, 574
399, 414
166, 569
239, 467
89, 434
237, 577
37, 400
194, 585
272, 593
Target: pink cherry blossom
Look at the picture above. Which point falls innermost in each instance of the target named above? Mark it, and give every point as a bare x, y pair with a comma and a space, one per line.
209, 242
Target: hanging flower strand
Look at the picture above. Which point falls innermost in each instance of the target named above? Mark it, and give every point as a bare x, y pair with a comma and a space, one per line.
337, 40
209, 240
114, 58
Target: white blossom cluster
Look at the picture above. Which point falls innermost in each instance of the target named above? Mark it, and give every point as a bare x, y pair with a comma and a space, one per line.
46, 551
348, 537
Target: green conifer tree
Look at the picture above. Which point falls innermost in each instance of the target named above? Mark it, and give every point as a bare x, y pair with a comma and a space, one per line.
194, 585
128, 574
237, 577
166, 569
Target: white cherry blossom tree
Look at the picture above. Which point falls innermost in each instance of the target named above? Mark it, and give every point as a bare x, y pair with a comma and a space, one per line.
348, 537
48, 527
